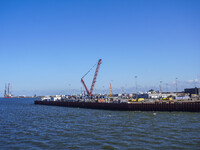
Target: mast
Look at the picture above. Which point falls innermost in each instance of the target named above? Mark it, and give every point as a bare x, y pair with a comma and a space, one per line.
8, 89
5, 92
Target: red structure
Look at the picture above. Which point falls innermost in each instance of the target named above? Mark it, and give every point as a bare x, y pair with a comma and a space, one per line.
94, 79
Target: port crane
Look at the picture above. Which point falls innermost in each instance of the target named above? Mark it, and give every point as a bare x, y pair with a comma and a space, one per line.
94, 79
110, 90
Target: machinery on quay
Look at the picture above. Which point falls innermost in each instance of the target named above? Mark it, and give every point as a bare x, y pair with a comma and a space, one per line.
110, 90
89, 93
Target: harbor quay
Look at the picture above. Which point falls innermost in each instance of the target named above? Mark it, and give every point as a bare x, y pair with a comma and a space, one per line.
137, 106
150, 101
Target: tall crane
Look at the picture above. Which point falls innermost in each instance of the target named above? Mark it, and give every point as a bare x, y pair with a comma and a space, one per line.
94, 79
110, 90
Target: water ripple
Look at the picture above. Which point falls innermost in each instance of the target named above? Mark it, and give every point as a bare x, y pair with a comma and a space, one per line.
24, 125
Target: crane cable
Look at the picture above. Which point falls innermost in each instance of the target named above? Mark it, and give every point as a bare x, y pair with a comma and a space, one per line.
89, 70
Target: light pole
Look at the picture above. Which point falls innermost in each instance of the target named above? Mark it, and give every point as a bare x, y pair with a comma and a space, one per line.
136, 84
69, 88
176, 85
125, 89
161, 87
166, 87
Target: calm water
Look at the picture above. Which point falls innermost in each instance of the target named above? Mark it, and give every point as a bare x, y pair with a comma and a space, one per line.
24, 125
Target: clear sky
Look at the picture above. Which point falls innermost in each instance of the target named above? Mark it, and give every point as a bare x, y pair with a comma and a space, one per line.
46, 46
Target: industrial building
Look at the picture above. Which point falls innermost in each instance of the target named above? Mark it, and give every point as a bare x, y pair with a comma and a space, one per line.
192, 91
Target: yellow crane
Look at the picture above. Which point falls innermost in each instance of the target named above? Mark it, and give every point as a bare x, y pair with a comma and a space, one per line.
110, 90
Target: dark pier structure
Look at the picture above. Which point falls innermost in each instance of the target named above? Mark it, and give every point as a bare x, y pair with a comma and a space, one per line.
138, 106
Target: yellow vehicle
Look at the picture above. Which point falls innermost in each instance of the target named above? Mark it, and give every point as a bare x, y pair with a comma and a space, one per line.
167, 98
137, 100
134, 100
140, 99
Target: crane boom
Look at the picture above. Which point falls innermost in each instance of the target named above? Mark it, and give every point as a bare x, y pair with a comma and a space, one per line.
95, 76
94, 79
85, 86
110, 90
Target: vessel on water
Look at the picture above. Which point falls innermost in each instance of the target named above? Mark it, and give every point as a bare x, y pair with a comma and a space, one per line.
8, 91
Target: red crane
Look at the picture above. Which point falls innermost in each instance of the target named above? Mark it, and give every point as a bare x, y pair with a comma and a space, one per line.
94, 79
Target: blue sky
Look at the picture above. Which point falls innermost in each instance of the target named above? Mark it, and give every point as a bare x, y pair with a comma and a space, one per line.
47, 46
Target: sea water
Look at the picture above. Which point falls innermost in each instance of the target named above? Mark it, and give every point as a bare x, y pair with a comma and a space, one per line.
24, 125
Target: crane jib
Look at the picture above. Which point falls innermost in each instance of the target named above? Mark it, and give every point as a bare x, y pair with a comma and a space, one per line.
94, 79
